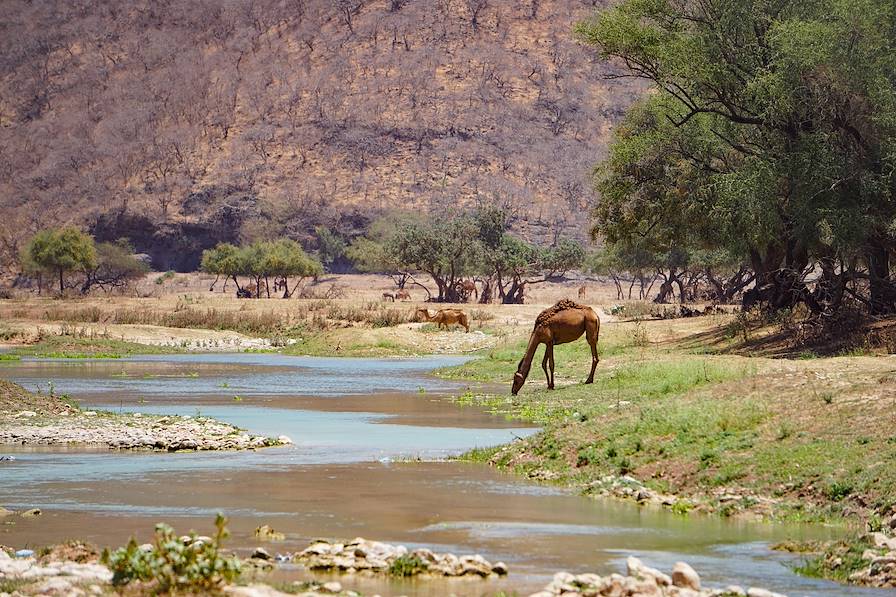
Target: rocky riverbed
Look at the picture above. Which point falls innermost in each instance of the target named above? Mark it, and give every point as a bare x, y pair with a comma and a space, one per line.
643, 581
363, 556
73, 570
39, 420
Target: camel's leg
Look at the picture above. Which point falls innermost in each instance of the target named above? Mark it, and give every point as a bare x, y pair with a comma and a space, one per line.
550, 353
544, 365
591, 334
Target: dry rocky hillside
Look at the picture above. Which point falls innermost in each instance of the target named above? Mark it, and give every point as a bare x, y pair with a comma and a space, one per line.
180, 124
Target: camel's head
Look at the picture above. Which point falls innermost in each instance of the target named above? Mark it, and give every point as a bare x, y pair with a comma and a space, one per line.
422, 315
519, 378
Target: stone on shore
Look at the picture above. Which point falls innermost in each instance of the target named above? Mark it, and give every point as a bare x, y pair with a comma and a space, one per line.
376, 557
684, 576
642, 581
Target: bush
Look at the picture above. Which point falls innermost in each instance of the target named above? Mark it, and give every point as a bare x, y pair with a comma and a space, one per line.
174, 564
164, 277
407, 565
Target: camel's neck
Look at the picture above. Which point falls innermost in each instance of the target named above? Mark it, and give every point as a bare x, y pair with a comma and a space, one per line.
526, 362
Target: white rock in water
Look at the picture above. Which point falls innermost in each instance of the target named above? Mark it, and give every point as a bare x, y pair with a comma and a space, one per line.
637, 569
283, 439
685, 577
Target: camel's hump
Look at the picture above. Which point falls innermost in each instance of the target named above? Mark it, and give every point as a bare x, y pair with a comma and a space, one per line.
561, 305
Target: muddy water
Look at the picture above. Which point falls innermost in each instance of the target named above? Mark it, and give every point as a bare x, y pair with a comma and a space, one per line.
353, 421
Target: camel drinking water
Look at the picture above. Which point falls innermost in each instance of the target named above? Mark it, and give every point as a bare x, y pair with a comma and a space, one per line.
444, 317
564, 322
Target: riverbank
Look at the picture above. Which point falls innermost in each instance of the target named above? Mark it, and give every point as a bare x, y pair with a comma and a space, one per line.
77, 569
679, 417
29, 419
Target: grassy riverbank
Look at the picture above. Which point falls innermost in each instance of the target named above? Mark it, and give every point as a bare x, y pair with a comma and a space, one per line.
804, 439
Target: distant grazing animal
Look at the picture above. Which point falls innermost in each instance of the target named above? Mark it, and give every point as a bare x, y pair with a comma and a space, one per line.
468, 287
564, 322
243, 293
388, 296
444, 317
581, 292
403, 295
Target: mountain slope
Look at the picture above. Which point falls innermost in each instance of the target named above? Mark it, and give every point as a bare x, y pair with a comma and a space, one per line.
275, 115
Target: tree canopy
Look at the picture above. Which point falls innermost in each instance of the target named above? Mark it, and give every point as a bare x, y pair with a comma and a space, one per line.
281, 259
769, 135
61, 250
455, 249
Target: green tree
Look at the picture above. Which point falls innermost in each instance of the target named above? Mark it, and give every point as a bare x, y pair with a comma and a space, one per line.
62, 250
770, 135
446, 249
330, 246
115, 266
372, 253
282, 259
221, 260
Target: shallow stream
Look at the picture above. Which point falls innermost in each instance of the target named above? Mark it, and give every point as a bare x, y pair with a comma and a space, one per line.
366, 434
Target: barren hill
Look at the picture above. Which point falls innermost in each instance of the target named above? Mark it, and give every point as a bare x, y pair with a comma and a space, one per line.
249, 118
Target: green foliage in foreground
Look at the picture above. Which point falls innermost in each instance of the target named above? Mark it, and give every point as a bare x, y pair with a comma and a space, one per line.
174, 564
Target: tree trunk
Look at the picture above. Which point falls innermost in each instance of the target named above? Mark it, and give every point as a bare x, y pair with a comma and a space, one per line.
883, 292
61, 285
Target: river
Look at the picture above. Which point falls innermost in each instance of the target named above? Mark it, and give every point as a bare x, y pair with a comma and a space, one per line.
369, 438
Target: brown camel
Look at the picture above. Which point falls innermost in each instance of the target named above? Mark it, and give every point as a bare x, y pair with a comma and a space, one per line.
403, 295
564, 322
444, 317
581, 292
469, 287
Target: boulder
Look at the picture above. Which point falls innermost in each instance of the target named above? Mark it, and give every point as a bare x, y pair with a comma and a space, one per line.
260, 553
685, 577
637, 569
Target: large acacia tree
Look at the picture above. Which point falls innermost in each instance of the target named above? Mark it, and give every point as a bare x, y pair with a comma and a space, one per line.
769, 133
59, 251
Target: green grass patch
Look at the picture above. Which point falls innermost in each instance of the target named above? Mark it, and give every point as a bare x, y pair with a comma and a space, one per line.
9, 357
838, 560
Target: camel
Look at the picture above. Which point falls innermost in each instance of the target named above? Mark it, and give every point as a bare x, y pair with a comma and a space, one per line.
403, 295
468, 287
444, 317
564, 322
388, 296
581, 292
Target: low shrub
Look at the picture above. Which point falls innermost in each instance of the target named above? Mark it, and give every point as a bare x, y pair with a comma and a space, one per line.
407, 565
172, 564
